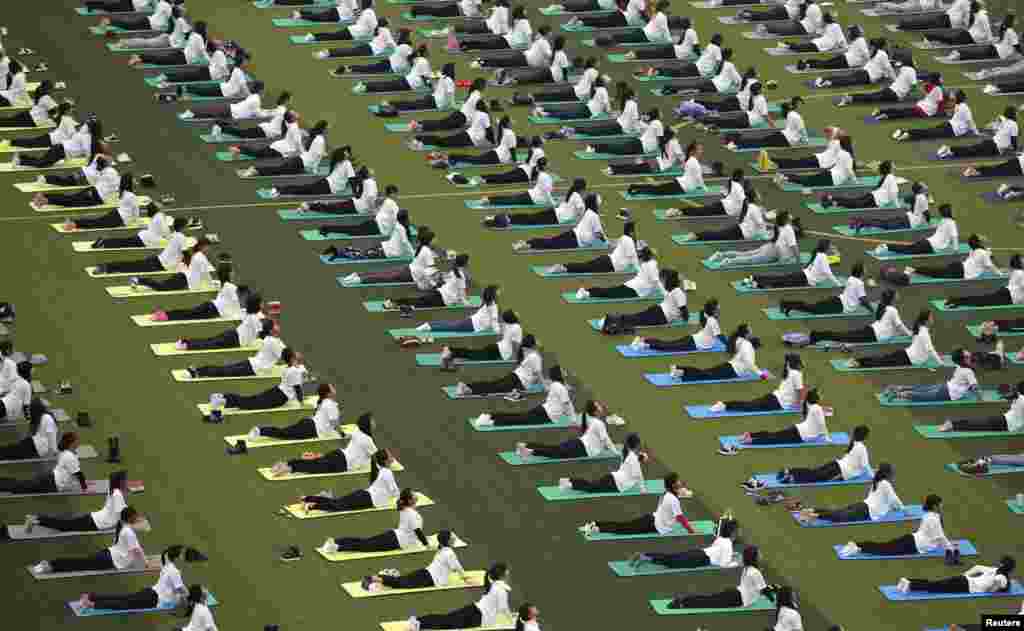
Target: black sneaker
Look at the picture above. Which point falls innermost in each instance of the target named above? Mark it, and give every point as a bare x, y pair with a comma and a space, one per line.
291, 554
193, 372
405, 311
624, 214
215, 416
238, 449
753, 484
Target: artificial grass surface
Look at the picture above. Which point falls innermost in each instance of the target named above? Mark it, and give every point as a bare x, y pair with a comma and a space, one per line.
201, 497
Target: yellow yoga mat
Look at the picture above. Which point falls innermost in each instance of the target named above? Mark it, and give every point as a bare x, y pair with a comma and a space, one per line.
182, 375
278, 442
167, 349
402, 625
267, 475
108, 205
91, 271
63, 165
134, 224
33, 128
474, 578
356, 556
86, 246
296, 510
145, 320
127, 291
36, 187
309, 403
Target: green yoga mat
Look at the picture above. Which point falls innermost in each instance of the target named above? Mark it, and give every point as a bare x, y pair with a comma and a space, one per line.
1015, 507
512, 458
570, 297
541, 270
433, 360
813, 142
344, 285
298, 215
709, 191
962, 248
746, 289
438, 335
932, 431
548, 120
805, 258
377, 306
871, 232
818, 209
661, 608
870, 181
987, 396
975, 330
840, 365
593, 155
690, 239
314, 235
558, 494
565, 422
300, 23
897, 339
702, 528
774, 313
918, 279
545, 226
940, 304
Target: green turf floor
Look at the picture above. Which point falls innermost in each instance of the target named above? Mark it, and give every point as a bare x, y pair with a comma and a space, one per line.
196, 495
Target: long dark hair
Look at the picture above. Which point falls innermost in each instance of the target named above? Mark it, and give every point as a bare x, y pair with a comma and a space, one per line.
888, 297
785, 597
710, 310
170, 554
496, 572
860, 434
664, 141
117, 481
406, 498
921, 321
36, 410
813, 397
127, 516
884, 472
424, 237
196, 595
631, 444
791, 361
377, 462
524, 613
742, 331
365, 423
529, 343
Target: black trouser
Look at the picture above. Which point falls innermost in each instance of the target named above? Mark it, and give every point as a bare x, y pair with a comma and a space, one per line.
357, 500
429, 300
656, 52
925, 22
484, 42
930, 133
732, 233
206, 90
330, 15
885, 95
418, 579
685, 559
951, 270
999, 297
380, 67
140, 23
809, 162
378, 543
541, 218
77, 523
528, 76
110, 220
203, 311
189, 75
487, 353
764, 404
1007, 87
917, 247
856, 336
853, 512
111, 6
259, 151
651, 316
611, 20
43, 483
722, 600
787, 436
569, 449
333, 462
304, 428
618, 291
829, 305
508, 383
438, 9
668, 188
983, 148
1010, 168
515, 176
952, 37
896, 358
857, 77
488, 157
534, 416
825, 473
793, 279
319, 187
773, 14
951, 585
570, 112
600, 265
366, 228
787, 28
289, 166
580, 6
604, 484
638, 526
555, 95
52, 156
628, 37
565, 241
803, 47
99, 561
460, 139
24, 449
32, 142
895, 547
468, 617
271, 398
867, 200
833, 63
120, 242
894, 223
227, 339
513, 60
143, 599
821, 178
360, 50
988, 424
77, 199
979, 52
683, 344
633, 168
622, 148
173, 283
21, 119
148, 264
243, 132
337, 36
694, 84
721, 371
239, 369
164, 58
771, 139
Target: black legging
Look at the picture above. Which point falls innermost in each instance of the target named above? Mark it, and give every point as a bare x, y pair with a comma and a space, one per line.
808, 162
455, 120
895, 547
76, 199
99, 561
1006, 87
668, 188
787, 28
925, 22
461, 139
832, 63
610, 20
633, 168
120, 242
111, 6
487, 353
508, 383
488, 157
626, 37
143, 599
786, 436
366, 228
651, 316
682, 344
418, 579
821, 178
428, 300
1010, 168
43, 483
515, 176
856, 336
534, 416
468, 617
131, 23
379, 67
227, 339
824, 473
569, 449
189, 75
77, 523
793, 279
599, 265
569, 112
951, 585
853, 512
565, 241
731, 233
164, 58
604, 484
378, 543
21, 119
618, 291
628, 147
318, 187
110, 220
721, 371
827, 306
685, 559
951, 270
722, 600
265, 400
173, 283
638, 526
766, 403
896, 358
336, 36
304, 428
999, 297
847, 79
332, 462
203, 311
256, 133
770, 139
38, 142
885, 95
483, 42
357, 500
987, 424
983, 148
52, 156
239, 369
330, 15
511, 60
24, 449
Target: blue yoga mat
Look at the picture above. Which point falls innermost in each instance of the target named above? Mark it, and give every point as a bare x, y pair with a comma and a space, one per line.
73, 605
628, 351
450, 391
967, 549
891, 593
910, 512
595, 323
839, 439
326, 260
704, 411
665, 380
772, 483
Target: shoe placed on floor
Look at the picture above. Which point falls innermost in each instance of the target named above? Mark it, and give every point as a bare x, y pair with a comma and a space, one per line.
43, 567
728, 450
515, 395
582, 294
31, 521
254, 433
753, 484
240, 448
293, 553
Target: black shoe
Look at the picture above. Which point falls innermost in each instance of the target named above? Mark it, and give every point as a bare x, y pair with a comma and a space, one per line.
331, 251
291, 554
405, 311
802, 65
101, 268
239, 448
193, 372
215, 416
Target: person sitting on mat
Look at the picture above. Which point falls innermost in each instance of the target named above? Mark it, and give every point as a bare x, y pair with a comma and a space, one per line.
126, 553
578, 91
65, 477
540, 194
812, 428
978, 264
251, 107
962, 385
1012, 421
645, 284
787, 396
628, 122
691, 181
200, 618
483, 319
229, 79
362, 29
666, 518
709, 336
832, 37
931, 105
788, 10
167, 593
628, 477
397, 245
16, 400
920, 352
519, 36
343, 11
887, 325
225, 306
682, 47
1012, 294
960, 124
355, 456
323, 424
288, 391
251, 329
496, 23
1005, 139
742, 344
383, 44
450, 292
755, 115
422, 270
597, 106
719, 554
543, 66
538, 56
557, 404
668, 155
1004, 44
311, 151
527, 374
853, 298
651, 131
1011, 168
782, 248
811, 21
977, 30
491, 608
670, 311
751, 224
818, 271
290, 145
270, 130
524, 172
856, 54
821, 160
382, 492
929, 537
980, 579
126, 213
381, 224
41, 441
726, 81
159, 20
902, 85
842, 172
106, 518
587, 233
195, 276
918, 216
875, 69
438, 574
174, 33
505, 349
752, 587
65, 127
569, 211
954, 17
623, 14
593, 438
853, 464
193, 53
881, 501
414, 68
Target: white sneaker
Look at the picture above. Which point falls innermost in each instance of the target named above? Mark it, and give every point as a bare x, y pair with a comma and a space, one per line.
582, 294
31, 521
321, 54
676, 371
187, 115
309, 37
274, 193
351, 279
43, 567
414, 624
638, 343
41, 180
423, 327
718, 406
330, 546
903, 586
849, 549
216, 131
484, 420
462, 389
523, 451
881, 249
990, 89
1003, 188
180, 345
819, 82
614, 419
565, 484
254, 433
519, 246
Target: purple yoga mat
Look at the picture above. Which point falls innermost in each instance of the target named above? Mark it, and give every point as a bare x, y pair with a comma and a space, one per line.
871, 120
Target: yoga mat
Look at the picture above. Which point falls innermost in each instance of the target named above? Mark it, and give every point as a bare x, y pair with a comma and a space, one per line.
439, 335
293, 23
297, 511
566, 422
84, 452
136, 224
570, 297
661, 608
596, 323
891, 593
519, 227
504, 624
666, 380
593, 155
476, 204
962, 248
326, 260
918, 279
850, 232
141, 291
450, 391
774, 313
17, 533
513, 458
343, 284
805, 258
50, 208
624, 568
940, 304
841, 366
627, 350
870, 181
557, 494
433, 360
93, 487
182, 375
81, 612
36, 187
267, 473
772, 483
704, 411
708, 191
554, 10
145, 320
540, 270
167, 349
975, 330
308, 403
594, 247
1015, 507
838, 439
265, 193
745, 289
932, 432
898, 339
307, 215
690, 239
279, 442
910, 512
354, 556
377, 306
314, 235
812, 142
967, 549
152, 566
474, 579
702, 528
995, 469
987, 396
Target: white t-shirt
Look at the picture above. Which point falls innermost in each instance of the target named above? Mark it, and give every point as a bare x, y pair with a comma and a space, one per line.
399, 58
570, 209
647, 280
905, 81
819, 270
157, 229
743, 361
708, 335
962, 121
498, 20
599, 103
293, 378
843, 169
813, 21
268, 355
788, 618
855, 462
882, 500
788, 392
40, 110
384, 489
511, 340
17, 398
585, 83
852, 294
979, 262
201, 620
888, 193
930, 103
453, 289
858, 53
981, 30
693, 175
1016, 286
1007, 44
684, 49
558, 403
813, 426
589, 228
121, 551
494, 603
751, 584
629, 119
249, 107
486, 318
169, 585
624, 256
709, 60
416, 77
832, 39
365, 25
539, 54
108, 516
1005, 133
541, 192
946, 236
728, 78
226, 302
506, 145
479, 123
445, 564
930, 535
754, 225
66, 470
656, 30
520, 35
720, 552
409, 521
653, 131
666, 513
128, 207
423, 268
673, 303
171, 254
359, 450
629, 474
530, 370
326, 418
879, 66
368, 198
397, 244
340, 175
45, 438
199, 269
921, 348
962, 382
383, 41
890, 324
1015, 415
596, 440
